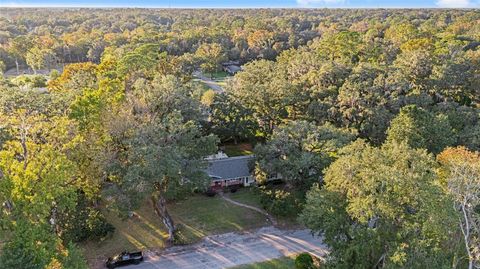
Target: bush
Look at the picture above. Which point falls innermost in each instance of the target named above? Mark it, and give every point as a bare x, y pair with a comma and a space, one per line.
97, 226
304, 261
210, 192
279, 202
84, 222
32, 81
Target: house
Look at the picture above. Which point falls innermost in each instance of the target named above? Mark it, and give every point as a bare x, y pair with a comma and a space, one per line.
231, 67
231, 171
227, 171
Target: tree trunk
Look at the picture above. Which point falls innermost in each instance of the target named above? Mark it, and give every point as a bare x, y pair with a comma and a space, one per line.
18, 68
160, 205
466, 232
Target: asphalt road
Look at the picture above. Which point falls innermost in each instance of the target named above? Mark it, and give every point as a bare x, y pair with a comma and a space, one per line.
232, 249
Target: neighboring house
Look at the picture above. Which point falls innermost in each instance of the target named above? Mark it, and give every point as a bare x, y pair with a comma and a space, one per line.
232, 171
231, 67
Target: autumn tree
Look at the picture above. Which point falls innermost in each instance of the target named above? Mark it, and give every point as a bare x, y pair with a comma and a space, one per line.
38, 58
18, 47
37, 181
212, 56
460, 173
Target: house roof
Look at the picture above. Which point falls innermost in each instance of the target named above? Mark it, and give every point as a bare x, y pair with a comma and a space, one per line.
233, 68
228, 168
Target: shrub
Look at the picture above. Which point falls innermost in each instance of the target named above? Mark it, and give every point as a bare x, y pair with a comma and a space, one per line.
32, 81
84, 222
304, 261
210, 192
97, 226
279, 202
183, 236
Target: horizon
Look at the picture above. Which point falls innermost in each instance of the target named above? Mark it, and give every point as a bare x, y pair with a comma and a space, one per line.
248, 4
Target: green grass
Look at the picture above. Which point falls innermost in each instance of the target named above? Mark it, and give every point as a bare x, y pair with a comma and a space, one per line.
198, 216
212, 215
217, 75
249, 196
280, 263
246, 196
241, 149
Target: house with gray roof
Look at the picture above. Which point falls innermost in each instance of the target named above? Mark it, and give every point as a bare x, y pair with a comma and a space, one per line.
229, 171
232, 171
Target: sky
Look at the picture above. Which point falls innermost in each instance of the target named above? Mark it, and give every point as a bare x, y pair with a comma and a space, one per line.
247, 3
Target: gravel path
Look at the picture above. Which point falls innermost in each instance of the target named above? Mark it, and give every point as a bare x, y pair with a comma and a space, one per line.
232, 249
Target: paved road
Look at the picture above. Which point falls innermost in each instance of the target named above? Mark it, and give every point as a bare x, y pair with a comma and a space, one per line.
232, 249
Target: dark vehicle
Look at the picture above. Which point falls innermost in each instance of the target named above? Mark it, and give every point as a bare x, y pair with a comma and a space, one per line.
125, 258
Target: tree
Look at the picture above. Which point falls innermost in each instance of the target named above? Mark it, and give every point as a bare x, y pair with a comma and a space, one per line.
259, 89
212, 56
299, 151
230, 120
461, 176
37, 181
165, 95
382, 208
18, 47
2, 68
157, 148
416, 68
140, 62
363, 103
420, 129
341, 47
165, 161
38, 58
75, 77
455, 79
33, 246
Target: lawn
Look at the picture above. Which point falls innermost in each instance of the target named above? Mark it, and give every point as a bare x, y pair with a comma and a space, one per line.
246, 196
198, 216
240, 149
212, 215
249, 196
217, 75
280, 263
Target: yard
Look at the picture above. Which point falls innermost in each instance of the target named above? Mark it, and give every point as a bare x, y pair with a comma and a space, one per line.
220, 75
246, 196
198, 216
250, 196
240, 149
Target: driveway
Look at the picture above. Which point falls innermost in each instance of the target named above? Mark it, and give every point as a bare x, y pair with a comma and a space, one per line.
232, 249
209, 82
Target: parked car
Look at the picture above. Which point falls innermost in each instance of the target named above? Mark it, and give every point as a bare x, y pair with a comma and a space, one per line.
124, 258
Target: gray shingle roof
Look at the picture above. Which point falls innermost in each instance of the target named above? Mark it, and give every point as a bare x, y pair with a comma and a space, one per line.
232, 167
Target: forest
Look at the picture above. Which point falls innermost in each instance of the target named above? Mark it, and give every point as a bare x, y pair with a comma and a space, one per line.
371, 117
